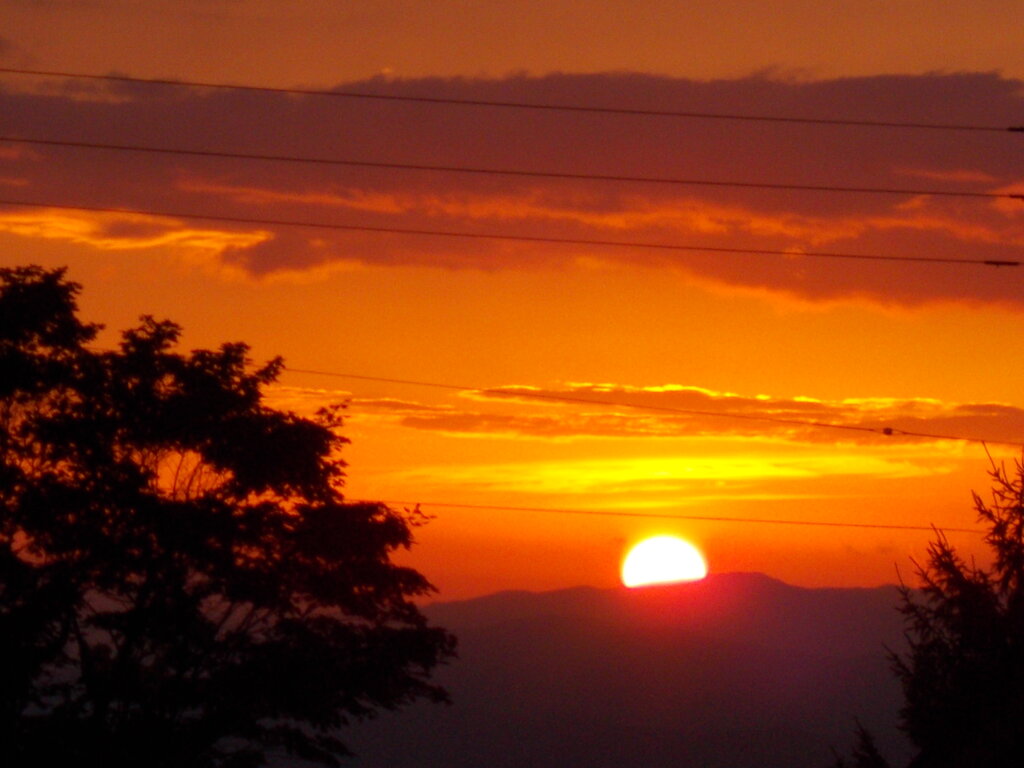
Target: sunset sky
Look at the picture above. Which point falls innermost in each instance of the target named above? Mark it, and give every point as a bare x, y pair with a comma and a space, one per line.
554, 491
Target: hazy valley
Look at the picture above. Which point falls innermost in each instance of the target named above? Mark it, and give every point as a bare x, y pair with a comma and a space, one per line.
736, 670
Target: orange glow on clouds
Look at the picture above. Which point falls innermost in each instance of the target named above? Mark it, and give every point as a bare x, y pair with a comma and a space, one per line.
116, 231
731, 353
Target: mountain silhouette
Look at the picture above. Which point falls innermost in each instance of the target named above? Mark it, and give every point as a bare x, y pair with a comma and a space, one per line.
736, 670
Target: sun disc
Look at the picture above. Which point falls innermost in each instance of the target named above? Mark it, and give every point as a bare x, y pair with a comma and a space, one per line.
662, 560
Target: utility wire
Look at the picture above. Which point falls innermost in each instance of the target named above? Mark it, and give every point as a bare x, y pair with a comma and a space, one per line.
649, 515
642, 515
518, 104
511, 238
668, 516
506, 392
141, 148
884, 431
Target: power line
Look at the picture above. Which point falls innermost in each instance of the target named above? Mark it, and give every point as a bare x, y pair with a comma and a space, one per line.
647, 515
667, 516
512, 238
517, 104
221, 154
884, 431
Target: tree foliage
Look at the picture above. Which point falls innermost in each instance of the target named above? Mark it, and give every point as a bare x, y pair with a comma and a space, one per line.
963, 672
963, 677
181, 579
865, 753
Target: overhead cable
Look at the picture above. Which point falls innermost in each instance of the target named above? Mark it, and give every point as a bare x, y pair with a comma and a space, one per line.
886, 431
581, 108
671, 516
222, 154
493, 236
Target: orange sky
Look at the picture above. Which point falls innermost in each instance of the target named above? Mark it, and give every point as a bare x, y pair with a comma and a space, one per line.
928, 348
330, 41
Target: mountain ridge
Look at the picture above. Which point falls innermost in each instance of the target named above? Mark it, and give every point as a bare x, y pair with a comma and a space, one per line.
737, 670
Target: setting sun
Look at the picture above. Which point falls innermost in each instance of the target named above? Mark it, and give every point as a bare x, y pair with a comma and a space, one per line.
661, 560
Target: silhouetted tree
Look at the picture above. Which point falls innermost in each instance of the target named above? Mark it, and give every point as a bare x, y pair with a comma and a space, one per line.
865, 753
963, 677
181, 581
963, 673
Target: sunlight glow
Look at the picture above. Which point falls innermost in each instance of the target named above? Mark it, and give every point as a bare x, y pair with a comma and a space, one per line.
661, 560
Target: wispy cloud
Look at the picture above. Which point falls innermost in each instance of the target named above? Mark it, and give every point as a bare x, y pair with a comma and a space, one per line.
611, 411
642, 481
120, 232
704, 217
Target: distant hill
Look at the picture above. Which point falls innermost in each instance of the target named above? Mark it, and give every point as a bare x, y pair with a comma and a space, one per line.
738, 670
